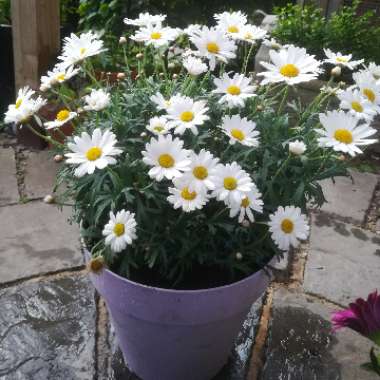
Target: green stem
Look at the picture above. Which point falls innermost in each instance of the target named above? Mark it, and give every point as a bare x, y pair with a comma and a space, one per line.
279, 170
42, 136
90, 72
247, 59
126, 61
284, 98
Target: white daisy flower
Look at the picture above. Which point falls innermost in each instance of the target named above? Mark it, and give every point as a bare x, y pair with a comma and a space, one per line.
356, 104
24, 94
185, 113
288, 225
192, 29
162, 103
194, 66
231, 23
341, 60
291, 65
251, 34
251, 202
91, 152
368, 87
145, 19
272, 44
240, 130
342, 132
213, 44
232, 183
62, 117
374, 70
167, 157
201, 176
155, 35
97, 100
76, 49
158, 125
235, 90
120, 230
182, 197
297, 147
24, 108
59, 74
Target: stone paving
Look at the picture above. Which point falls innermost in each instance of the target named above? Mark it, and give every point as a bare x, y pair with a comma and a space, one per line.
54, 326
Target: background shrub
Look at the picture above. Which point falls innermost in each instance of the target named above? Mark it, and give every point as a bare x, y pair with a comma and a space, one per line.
344, 31
5, 11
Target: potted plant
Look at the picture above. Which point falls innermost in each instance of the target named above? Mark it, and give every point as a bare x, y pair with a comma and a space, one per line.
187, 186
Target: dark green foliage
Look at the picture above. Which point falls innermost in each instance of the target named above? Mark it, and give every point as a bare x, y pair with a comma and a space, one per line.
5, 12
344, 31
109, 14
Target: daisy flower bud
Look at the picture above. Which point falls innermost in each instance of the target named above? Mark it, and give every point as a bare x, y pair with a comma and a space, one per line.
96, 264
120, 76
175, 76
122, 40
171, 65
48, 199
297, 147
58, 158
139, 56
336, 71
239, 256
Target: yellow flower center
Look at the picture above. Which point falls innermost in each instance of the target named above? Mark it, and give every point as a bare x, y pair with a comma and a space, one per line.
369, 94
238, 134
230, 183
158, 128
61, 77
212, 47
63, 115
187, 195
341, 59
233, 29
248, 36
93, 153
245, 202
287, 226
343, 135
200, 172
289, 70
155, 35
233, 90
166, 161
82, 51
187, 116
119, 229
357, 106
18, 103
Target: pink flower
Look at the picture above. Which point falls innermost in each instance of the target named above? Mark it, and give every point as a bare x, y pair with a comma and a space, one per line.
362, 316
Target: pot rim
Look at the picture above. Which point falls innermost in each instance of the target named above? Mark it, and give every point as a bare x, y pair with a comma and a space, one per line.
179, 291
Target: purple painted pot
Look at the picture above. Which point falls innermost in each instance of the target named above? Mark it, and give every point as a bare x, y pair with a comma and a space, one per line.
177, 334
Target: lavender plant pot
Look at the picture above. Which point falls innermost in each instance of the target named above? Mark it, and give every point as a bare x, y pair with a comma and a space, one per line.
177, 334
